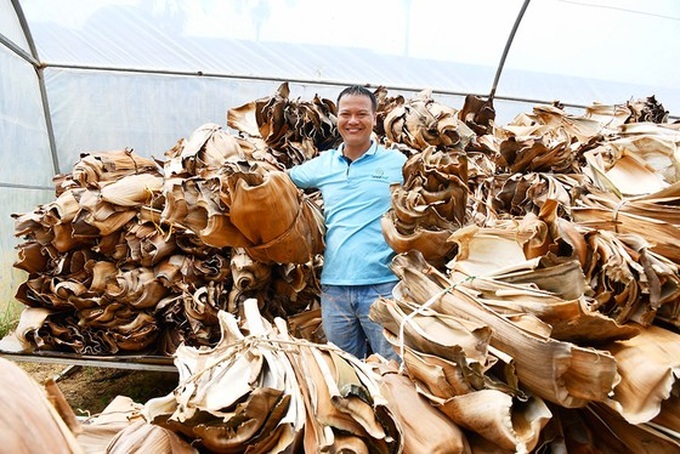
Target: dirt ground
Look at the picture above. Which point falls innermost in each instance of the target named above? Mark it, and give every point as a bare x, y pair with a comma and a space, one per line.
90, 389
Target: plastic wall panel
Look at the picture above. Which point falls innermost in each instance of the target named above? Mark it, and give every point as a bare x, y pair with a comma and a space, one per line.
10, 27
25, 148
94, 111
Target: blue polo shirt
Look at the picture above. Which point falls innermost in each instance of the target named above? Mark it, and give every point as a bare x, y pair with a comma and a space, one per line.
356, 195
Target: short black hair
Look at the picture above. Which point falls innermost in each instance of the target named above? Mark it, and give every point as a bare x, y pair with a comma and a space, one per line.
361, 91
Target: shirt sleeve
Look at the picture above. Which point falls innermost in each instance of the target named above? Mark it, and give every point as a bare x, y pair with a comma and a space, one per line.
304, 175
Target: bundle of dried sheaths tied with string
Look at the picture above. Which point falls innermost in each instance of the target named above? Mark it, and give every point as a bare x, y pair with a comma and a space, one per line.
538, 299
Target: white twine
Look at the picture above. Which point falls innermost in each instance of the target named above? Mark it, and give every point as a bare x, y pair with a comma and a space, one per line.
420, 310
615, 214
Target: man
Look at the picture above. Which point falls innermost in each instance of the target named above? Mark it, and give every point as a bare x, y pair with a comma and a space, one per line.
354, 181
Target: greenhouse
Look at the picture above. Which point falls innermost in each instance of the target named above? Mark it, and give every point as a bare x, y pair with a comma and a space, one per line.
553, 135
81, 76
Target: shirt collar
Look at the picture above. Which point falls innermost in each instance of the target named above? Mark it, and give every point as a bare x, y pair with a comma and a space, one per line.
371, 150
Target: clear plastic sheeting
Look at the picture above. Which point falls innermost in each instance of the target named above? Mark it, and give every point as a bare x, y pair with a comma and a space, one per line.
581, 51
119, 110
27, 160
10, 28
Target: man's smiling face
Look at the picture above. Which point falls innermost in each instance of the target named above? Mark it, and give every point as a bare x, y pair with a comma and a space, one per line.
356, 119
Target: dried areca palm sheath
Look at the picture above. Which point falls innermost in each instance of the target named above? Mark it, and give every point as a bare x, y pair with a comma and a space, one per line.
663, 277
98, 430
32, 225
554, 125
647, 110
240, 393
438, 376
306, 324
32, 257
323, 419
275, 216
433, 333
518, 194
98, 218
20, 339
597, 428
655, 145
624, 174
490, 413
349, 396
441, 179
65, 208
263, 205
243, 119
279, 120
609, 115
69, 237
136, 336
138, 288
454, 372
421, 121
132, 190
247, 273
292, 153
28, 421
207, 149
415, 207
142, 437
301, 243
633, 113
147, 244
342, 399
650, 281
37, 292
195, 204
612, 433
218, 148
649, 365
97, 327
431, 431
547, 276
570, 319
478, 114
481, 165
431, 203
392, 442
655, 218
535, 155
252, 392
487, 251
450, 378
668, 419
432, 243
295, 287
557, 371
94, 168
579, 129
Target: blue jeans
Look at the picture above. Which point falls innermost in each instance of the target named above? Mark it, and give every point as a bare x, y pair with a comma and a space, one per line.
344, 315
